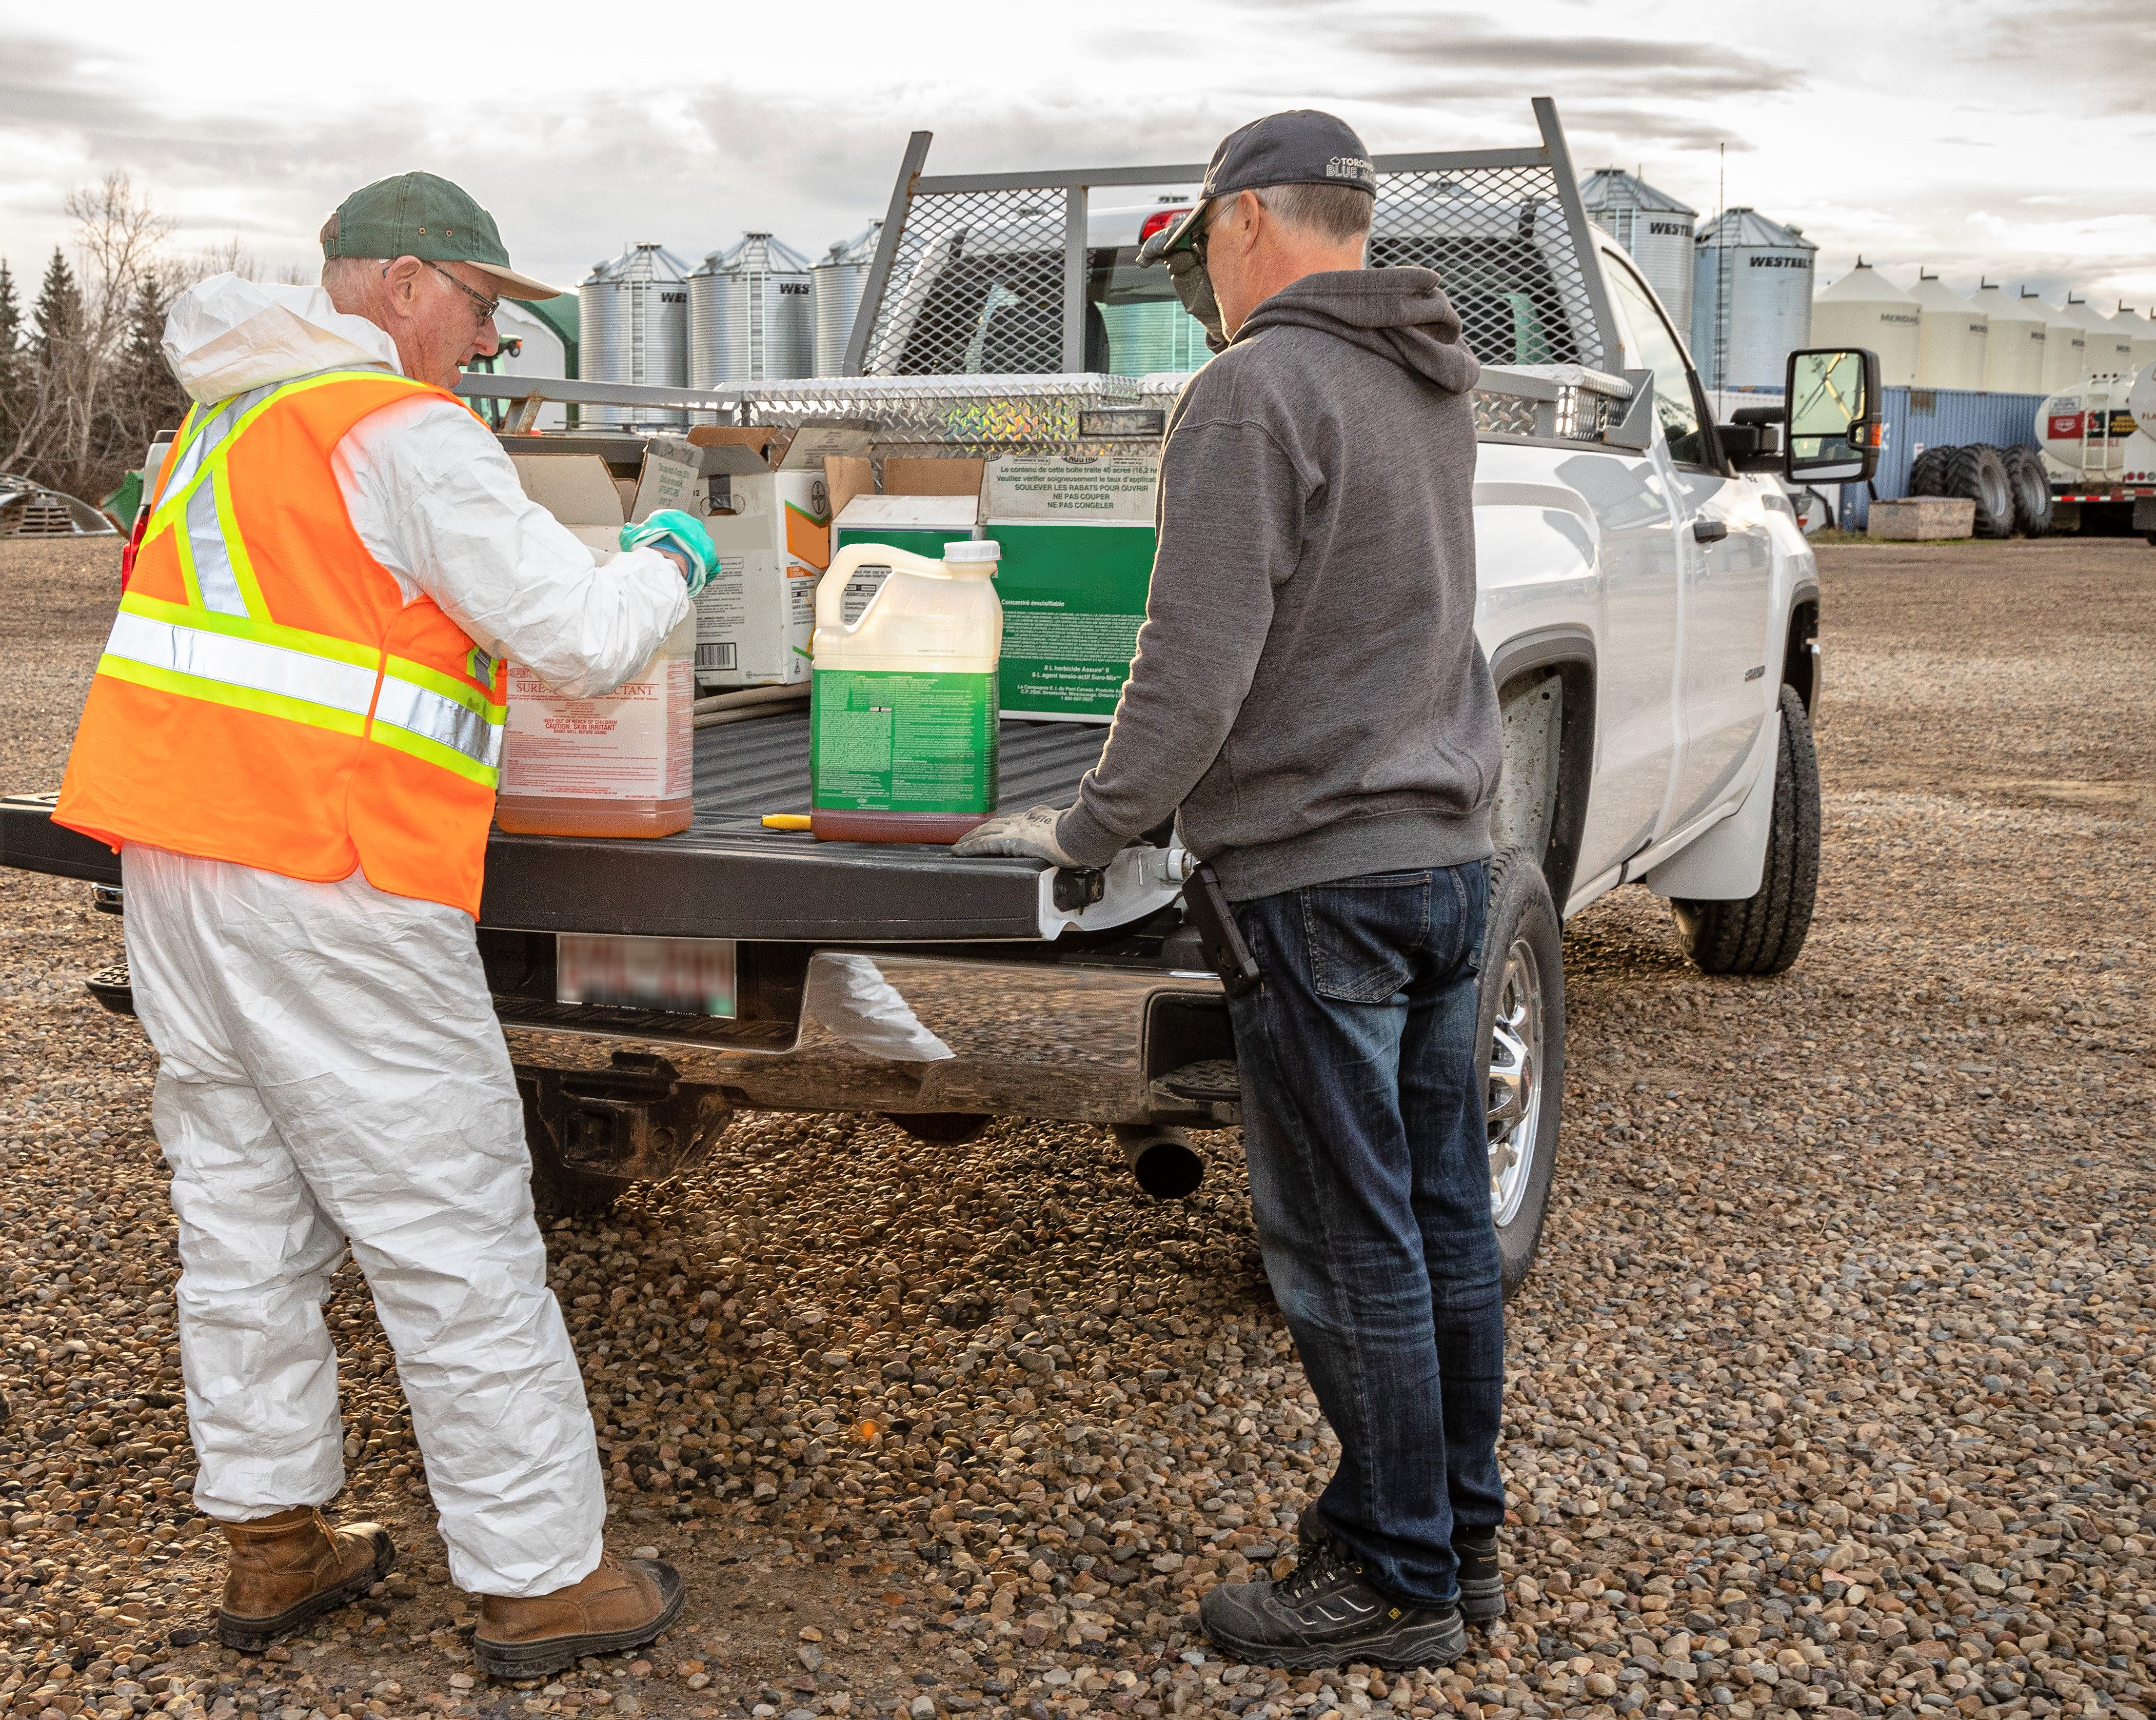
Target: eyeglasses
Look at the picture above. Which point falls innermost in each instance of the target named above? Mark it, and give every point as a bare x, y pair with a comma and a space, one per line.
487, 306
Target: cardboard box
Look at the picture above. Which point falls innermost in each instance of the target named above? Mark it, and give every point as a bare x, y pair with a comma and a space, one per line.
577, 489
764, 496
1078, 542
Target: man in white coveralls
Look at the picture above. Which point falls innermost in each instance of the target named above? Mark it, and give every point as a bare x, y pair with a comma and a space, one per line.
292, 738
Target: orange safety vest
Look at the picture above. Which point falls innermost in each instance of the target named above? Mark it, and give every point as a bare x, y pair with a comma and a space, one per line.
267, 696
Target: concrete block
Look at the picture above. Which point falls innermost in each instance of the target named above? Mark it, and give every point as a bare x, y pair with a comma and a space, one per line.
1922, 518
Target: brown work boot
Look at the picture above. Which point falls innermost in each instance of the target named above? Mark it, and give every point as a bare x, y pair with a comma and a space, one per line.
293, 1567
622, 1604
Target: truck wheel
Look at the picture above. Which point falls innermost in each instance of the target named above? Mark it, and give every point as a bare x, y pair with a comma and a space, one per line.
2032, 490
1520, 1043
1977, 472
1762, 933
941, 1128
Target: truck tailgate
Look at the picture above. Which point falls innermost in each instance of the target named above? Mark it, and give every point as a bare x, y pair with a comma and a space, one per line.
725, 876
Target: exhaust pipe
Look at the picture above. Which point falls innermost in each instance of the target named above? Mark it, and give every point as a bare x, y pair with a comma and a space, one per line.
1162, 1160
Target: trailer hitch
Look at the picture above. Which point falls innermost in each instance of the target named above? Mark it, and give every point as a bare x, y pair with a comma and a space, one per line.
635, 1118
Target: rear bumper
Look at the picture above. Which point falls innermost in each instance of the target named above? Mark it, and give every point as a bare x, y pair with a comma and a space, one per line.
911, 1034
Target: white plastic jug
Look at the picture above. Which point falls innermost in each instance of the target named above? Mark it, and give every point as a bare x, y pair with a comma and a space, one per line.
619, 765
903, 714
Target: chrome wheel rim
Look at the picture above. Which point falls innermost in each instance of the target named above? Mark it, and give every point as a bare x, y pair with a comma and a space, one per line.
1514, 1102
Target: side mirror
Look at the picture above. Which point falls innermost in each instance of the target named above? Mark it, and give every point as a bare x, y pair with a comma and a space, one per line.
1834, 401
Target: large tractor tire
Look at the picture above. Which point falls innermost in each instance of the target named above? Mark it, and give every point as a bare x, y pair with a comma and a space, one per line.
1763, 933
2032, 490
1927, 472
1977, 473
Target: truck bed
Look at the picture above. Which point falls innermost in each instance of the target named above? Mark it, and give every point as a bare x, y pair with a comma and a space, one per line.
726, 875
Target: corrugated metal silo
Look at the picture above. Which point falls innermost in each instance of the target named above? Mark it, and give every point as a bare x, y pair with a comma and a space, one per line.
1864, 309
752, 315
633, 315
2013, 348
840, 276
1653, 228
1751, 299
1954, 339
2066, 347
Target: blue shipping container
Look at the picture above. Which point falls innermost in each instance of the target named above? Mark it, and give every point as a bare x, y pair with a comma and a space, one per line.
1918, 418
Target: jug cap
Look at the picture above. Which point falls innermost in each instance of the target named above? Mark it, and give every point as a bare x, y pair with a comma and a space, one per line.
974, 550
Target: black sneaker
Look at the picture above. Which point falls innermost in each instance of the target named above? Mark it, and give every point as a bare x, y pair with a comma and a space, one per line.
1481, 1584
1325, 1614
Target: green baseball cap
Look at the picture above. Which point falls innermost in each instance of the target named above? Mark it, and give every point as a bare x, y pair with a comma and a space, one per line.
423, 215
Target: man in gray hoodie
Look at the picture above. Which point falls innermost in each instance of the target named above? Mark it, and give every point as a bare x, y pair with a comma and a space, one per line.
1310, 699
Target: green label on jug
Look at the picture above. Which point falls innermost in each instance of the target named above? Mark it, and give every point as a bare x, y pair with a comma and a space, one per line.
884, 741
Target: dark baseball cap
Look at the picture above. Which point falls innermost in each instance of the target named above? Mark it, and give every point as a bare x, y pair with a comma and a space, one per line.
1301, 146
423, 215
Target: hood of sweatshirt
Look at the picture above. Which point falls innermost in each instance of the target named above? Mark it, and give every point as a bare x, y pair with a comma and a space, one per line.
1399, 314
224, 336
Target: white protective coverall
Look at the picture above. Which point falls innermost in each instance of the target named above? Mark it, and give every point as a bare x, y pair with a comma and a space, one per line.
331, 1069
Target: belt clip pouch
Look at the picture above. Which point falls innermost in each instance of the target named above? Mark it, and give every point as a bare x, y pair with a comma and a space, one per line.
1207, 908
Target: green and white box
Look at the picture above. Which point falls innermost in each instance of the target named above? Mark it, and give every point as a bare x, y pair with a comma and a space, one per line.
922, 524
1078, 542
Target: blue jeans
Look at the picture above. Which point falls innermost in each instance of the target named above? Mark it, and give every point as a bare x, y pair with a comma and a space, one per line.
1363, 1127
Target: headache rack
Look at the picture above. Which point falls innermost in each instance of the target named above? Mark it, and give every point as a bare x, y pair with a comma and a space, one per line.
972, 332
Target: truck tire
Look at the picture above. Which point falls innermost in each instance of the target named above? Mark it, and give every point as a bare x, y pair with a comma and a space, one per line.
1928, 472
1519, 1038
1976, 472
1764, 933
2032, 490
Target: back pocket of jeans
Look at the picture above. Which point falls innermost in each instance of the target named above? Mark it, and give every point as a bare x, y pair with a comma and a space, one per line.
1364, 933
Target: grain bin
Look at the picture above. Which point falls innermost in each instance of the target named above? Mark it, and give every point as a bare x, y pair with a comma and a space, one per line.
840, 276
2066, 346
1864, 309
752, 316
1751, 299
1654, 228
1954, 338
2140, 334
2110, 349
2014, 348
633, 316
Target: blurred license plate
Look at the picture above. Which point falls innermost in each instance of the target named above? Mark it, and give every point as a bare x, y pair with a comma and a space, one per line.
685, 976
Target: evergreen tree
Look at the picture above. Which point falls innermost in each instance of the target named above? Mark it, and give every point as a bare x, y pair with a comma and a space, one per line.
58, 310
11, 362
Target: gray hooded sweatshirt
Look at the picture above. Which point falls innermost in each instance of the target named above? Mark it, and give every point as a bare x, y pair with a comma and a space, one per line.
1308, 688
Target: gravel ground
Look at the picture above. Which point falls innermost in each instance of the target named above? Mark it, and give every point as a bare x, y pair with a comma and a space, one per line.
1832, 1388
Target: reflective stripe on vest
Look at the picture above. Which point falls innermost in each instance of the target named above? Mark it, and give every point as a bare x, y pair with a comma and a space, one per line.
311, 678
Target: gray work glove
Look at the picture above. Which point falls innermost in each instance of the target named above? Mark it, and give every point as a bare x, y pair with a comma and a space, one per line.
1021, 835
1194, 287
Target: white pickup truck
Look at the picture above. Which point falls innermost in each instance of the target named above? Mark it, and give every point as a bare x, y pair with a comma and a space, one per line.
1648, 607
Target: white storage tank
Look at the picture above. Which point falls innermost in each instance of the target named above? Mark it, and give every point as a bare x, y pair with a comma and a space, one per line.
840, 276
2066, 347
1864, 309
633, 316
2140, 333
1954, 338
2110, 349
1751, 299
2013, 348
1654, 228
752, 315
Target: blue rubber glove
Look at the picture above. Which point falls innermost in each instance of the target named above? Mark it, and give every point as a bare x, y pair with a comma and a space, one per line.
670, 528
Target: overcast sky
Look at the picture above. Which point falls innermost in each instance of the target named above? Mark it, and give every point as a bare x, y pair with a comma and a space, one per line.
1973, 138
